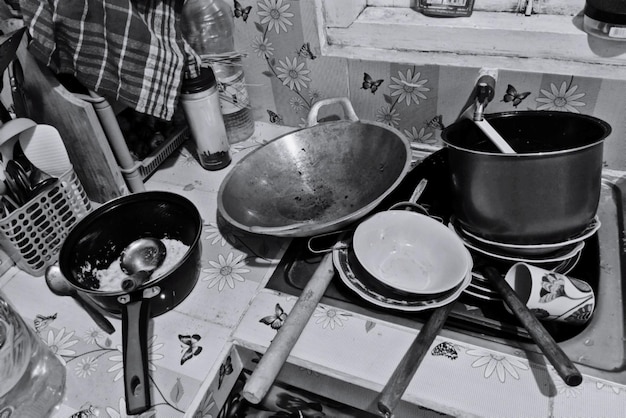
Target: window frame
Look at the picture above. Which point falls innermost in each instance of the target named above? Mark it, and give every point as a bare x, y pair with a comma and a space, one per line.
496, 35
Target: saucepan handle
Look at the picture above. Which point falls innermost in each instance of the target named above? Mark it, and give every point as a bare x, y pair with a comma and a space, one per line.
345, 103
135, 317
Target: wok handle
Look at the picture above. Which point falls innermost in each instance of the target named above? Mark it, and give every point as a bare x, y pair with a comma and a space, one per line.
404, 372
345, 103
272, 361
557, 357
135, 317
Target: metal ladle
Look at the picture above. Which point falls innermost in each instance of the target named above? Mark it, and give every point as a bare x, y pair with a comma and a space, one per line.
139, 260
59, 285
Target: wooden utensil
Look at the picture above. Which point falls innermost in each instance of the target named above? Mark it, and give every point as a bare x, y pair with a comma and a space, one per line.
559, 360
404, 372
272, 361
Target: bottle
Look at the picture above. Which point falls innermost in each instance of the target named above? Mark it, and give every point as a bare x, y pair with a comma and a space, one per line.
32, 378
201, 105
208, 26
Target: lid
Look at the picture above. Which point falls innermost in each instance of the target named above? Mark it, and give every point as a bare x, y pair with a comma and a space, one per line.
204, 81
608, 11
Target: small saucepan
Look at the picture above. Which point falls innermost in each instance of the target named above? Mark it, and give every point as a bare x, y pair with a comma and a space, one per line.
98, 240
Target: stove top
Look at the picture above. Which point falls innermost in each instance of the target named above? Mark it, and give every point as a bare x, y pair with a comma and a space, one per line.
598, 345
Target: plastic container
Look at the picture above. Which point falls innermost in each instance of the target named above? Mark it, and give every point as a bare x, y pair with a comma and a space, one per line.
208, 26
32, 235
32, 378
201, 104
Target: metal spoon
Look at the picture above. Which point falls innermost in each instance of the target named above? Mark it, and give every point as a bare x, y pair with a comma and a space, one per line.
139, 259
59, 285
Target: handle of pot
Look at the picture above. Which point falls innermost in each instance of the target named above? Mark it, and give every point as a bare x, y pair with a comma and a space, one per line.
135, 316
345, 103
272, 361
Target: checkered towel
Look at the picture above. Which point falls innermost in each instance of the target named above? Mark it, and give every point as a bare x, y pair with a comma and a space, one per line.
127, 50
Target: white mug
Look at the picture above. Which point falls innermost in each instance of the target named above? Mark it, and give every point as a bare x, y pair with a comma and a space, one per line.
552, 296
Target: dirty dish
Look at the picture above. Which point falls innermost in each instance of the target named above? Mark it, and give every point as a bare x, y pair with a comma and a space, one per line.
353, 279
410, 252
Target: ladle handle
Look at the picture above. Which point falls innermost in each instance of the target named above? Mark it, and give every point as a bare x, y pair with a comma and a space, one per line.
272, 361
404, 372
135, 317
557, 357
95, 314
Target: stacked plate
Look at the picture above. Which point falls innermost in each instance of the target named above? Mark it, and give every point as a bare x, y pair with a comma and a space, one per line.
404, 261
561, 257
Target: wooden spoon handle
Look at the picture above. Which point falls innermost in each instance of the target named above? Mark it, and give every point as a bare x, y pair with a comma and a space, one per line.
557, 357
404, 372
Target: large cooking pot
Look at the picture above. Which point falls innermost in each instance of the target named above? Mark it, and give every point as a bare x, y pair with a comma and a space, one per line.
99, 238
547, 192
317, 179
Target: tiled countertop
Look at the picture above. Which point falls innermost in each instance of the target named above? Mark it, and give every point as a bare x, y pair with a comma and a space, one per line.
228, 281
225, 309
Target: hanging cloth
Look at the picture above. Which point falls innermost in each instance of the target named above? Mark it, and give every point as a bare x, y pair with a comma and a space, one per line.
131, 51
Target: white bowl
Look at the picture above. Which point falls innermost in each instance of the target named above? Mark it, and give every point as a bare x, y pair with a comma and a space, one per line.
410, 252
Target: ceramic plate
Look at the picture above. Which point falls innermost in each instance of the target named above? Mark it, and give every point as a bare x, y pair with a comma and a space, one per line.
390, 299
535, 249
560, 255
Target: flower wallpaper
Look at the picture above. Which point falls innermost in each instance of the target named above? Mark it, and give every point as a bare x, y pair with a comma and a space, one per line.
286, 74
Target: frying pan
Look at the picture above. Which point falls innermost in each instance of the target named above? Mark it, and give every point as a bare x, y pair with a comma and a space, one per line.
312, 181
99, 238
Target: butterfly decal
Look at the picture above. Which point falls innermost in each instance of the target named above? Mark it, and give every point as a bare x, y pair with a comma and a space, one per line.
445, 349
41, 322
277, 319
190, 347
305, 51
512, 95
435, 123
275, 117
226, 368
241, 12
89, 412
369, 83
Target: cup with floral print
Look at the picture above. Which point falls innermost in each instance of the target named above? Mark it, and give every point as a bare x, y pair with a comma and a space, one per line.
552, 296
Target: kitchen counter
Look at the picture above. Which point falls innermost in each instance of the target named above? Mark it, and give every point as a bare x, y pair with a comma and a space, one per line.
188, 345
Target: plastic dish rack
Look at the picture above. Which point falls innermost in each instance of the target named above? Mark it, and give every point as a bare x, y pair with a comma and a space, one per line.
33, 234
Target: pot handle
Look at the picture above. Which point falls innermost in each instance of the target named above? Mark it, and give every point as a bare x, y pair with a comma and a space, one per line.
345, 103
135, 316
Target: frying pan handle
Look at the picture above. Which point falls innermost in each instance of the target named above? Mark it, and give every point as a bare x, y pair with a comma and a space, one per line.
345, 103
135, 316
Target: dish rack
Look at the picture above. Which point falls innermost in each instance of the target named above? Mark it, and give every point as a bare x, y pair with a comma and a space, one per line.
32, 235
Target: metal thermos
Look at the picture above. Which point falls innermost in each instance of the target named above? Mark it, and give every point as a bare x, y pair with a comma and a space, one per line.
200, 101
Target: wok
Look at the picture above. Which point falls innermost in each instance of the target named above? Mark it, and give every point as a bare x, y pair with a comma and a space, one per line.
99, 238
307, 183
317, 179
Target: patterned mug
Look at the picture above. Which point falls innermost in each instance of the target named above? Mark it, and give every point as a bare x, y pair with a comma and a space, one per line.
552, 296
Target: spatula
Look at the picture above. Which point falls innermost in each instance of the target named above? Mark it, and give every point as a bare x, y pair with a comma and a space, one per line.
44, 147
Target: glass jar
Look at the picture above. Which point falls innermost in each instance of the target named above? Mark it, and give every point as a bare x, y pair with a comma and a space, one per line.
32, 378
